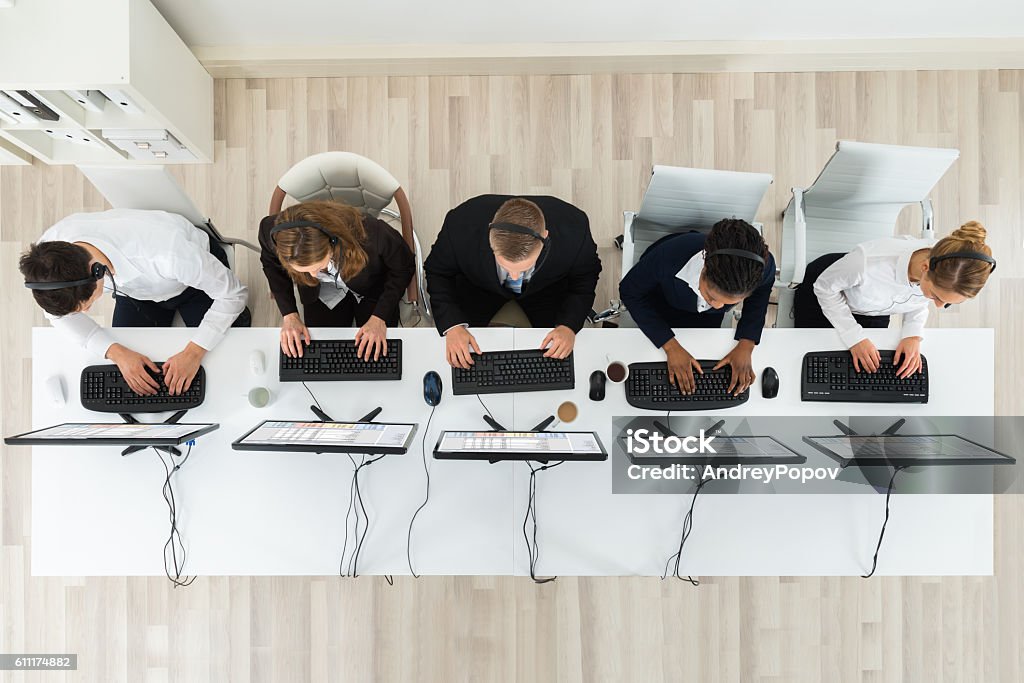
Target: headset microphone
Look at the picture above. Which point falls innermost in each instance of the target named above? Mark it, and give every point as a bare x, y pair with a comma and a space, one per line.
96, 272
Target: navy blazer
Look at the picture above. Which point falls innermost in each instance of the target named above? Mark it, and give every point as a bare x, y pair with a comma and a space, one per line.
651, 286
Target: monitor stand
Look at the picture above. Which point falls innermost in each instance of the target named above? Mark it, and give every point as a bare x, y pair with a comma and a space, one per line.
170, 450
539, 427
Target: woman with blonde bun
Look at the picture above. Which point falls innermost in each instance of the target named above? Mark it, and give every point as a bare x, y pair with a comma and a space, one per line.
902, 275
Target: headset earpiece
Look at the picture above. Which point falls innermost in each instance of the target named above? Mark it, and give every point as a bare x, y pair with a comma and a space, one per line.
288, 225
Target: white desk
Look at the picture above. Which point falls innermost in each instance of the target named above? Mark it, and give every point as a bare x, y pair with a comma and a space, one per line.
96, 513
585, 529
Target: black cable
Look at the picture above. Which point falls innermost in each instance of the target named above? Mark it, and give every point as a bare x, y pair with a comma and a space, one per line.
486, 409
426, 496
532, 549
687, 528
881, 535
353, 561
174, 541
314, 399
348, 514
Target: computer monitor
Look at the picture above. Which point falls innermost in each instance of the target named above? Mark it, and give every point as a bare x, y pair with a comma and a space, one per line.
328, 437
729, 450
539, 446
907, 450
111, 434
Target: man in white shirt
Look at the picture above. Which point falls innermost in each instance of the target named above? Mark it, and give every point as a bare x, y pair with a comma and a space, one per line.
157, 264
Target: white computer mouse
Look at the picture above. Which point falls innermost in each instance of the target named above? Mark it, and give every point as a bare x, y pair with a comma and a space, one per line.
257, 362
56, 391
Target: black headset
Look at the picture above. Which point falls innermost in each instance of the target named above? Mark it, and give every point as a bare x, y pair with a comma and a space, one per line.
520, 229
976, 255
742, 253
288, 225
96, 272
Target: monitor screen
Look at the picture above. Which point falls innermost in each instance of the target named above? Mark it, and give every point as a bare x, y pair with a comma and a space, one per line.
907, 450
119, 433
741, 450
328, 437
541, 446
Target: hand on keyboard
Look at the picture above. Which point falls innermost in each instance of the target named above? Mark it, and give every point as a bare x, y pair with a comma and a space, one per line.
740, 362
865, 356
681, 366
181, 368
908, 357
136, 369
293, 333
561, 340
371, 339
457, 343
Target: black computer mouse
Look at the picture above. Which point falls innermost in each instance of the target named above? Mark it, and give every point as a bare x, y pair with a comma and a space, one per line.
597, 381
432, 388
769, 383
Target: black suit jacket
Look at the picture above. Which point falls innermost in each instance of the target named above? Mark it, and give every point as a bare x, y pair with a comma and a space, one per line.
461, 264
390, 266
651, 289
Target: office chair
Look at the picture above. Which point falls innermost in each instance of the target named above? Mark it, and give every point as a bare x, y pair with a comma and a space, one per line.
683, 199
153, 188
357, 181
857, 197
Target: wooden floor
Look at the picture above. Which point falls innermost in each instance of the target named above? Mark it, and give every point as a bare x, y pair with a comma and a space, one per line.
591, 140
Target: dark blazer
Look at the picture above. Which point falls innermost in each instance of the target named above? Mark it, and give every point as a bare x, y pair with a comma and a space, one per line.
651, 289
461, 263
389, 268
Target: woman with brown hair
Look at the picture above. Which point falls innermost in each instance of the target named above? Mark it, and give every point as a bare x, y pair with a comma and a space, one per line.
348, 268
892, 275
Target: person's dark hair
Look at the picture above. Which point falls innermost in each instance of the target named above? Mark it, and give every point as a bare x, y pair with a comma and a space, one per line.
58, 262
730, 274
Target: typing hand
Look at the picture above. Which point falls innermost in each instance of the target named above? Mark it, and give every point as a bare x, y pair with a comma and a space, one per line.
681, 366
561, 340
909, 350
739, 359
181, 368
133, 367
372, 339
865, 356
293, 332
457, 342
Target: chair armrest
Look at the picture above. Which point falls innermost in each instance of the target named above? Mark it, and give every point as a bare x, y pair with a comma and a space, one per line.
799, 237
927, 219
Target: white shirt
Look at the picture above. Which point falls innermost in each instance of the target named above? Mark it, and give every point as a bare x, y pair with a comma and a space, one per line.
872, 280
156, 256
332, 288
690, 274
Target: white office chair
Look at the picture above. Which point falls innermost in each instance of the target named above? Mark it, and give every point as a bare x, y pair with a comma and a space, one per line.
682, 199
357, 181
153, 188
856, 197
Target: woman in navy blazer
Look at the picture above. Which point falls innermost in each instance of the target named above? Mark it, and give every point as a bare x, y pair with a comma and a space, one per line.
691, 280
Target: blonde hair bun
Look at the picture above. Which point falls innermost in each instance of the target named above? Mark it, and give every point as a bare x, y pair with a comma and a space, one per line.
971, 231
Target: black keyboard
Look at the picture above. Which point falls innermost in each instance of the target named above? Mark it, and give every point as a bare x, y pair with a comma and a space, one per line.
648, 387
335, 360
104, 390
497, 372
830, 376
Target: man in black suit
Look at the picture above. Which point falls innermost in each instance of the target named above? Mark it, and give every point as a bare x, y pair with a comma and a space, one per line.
495, 248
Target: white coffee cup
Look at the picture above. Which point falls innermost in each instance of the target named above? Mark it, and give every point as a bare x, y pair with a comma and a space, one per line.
617, 372
260, 397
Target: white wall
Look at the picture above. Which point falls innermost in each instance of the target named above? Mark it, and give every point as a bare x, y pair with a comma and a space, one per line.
338, 22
